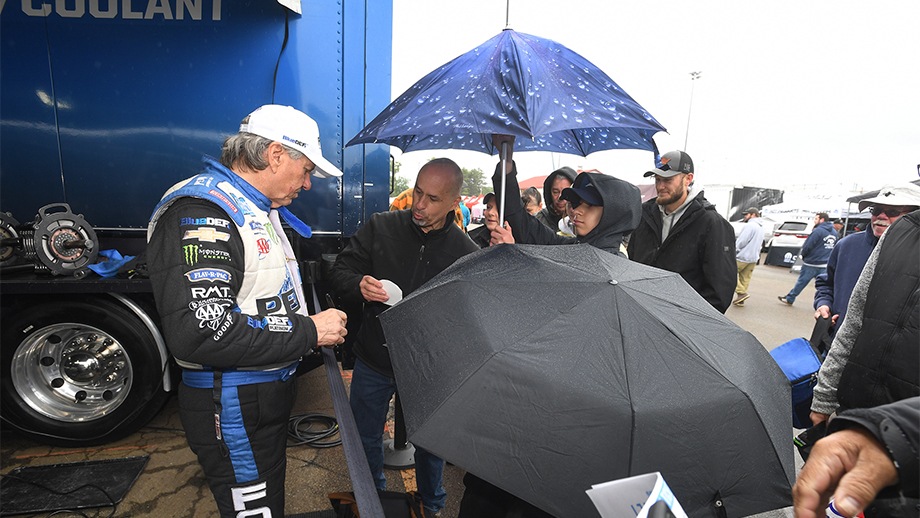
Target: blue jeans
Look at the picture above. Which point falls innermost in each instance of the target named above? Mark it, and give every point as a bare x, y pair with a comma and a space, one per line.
805, 276
370, 401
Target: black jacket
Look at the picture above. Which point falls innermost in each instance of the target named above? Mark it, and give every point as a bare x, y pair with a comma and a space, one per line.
700, 247
482, 236
884, 365
622, 203
895, 426
208, 328
390, 246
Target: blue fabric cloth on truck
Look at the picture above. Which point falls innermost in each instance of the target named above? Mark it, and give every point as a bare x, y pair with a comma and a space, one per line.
112, 263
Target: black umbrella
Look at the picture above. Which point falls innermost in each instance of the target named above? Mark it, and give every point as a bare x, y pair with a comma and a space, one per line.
544, 370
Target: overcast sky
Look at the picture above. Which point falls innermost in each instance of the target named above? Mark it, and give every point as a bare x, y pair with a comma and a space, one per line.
792, 92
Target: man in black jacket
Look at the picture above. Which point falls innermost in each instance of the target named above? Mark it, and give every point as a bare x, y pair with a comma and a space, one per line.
406, 247
682, 232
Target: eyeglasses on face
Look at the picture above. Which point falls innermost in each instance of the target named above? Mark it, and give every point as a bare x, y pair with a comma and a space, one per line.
891, 212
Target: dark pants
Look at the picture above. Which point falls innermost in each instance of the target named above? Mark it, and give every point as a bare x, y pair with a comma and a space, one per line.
483, 500
246, 468
370, 401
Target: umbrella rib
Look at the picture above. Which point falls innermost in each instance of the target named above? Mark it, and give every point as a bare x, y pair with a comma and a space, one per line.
632, 408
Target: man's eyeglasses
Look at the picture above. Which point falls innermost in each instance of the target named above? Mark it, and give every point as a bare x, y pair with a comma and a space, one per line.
891, 212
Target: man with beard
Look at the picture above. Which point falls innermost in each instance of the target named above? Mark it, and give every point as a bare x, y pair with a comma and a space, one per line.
680, 231
407, 248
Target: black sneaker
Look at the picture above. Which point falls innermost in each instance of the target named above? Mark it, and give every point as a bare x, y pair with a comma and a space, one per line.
784, 301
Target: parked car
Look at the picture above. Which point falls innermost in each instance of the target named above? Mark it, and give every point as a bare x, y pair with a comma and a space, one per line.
790, 234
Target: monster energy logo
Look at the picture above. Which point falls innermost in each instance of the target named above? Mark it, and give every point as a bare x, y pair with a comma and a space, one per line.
191, 254
195, 253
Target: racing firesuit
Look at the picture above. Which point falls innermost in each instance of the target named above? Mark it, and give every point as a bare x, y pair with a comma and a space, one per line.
229, 295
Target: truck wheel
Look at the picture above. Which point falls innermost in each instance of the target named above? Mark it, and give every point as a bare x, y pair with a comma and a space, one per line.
79, 373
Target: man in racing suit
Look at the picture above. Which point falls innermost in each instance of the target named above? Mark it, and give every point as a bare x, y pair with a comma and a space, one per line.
230, 298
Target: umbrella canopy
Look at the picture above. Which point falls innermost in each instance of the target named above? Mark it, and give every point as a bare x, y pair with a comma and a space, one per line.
520, 85
546, 369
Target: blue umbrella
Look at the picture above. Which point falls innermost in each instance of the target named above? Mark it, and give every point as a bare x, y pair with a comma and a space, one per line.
536, 89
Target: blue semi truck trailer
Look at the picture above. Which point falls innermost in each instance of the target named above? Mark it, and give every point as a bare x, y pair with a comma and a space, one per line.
106, 103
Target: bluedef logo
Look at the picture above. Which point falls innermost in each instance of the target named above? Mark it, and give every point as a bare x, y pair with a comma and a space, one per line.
278, 324
211, 222
273, 323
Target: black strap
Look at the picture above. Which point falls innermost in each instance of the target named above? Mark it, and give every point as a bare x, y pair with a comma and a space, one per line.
216, 393
362, 482
820, 336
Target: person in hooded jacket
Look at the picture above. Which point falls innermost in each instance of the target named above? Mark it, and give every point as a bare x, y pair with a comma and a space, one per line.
681, 232
815, 252
604, 210
553, 206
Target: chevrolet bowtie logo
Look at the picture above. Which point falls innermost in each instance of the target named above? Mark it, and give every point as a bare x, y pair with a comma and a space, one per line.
206, 234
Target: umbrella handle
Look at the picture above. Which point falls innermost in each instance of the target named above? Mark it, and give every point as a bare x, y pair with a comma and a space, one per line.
501, 201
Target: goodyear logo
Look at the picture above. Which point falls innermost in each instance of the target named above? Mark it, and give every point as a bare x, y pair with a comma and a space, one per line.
213, 222
207, 234
208, 274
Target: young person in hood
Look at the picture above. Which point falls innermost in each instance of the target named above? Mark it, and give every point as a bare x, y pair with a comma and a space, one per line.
604, 210
554, 206
681, 232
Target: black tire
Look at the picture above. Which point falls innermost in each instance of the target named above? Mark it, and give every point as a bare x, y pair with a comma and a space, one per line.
79, 372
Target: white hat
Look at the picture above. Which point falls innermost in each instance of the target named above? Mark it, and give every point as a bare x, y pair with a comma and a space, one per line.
292, 128
894, 195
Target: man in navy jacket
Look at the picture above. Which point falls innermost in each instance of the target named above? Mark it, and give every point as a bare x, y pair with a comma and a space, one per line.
815, 253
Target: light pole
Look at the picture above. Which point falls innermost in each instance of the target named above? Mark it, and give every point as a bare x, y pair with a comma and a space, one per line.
693, 77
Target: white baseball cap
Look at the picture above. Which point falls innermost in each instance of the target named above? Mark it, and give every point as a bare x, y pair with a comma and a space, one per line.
292, 128
895, 196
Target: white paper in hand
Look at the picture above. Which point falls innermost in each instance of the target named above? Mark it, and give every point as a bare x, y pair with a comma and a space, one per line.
633, 496
392, 290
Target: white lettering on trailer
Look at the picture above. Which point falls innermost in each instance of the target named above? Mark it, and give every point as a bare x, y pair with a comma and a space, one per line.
109, 9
